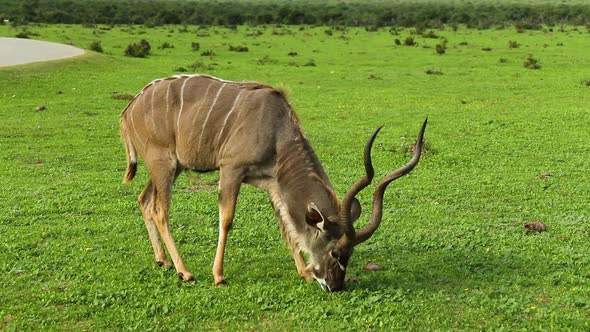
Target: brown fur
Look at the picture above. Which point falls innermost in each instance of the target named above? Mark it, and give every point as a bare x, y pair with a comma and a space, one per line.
221, 108
249, 132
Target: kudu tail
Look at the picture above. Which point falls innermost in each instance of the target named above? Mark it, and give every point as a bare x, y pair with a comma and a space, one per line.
131, 154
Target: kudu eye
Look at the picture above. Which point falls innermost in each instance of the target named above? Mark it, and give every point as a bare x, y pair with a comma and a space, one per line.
334, 254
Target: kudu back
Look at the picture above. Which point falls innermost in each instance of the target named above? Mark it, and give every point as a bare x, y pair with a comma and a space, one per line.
249, 132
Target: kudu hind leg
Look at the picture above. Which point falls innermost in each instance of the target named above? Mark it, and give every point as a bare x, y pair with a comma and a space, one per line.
146, 201
163, 176
229, 188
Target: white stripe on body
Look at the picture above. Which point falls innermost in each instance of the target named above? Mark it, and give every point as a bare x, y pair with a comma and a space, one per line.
181, 107
152, 106
233, 107
133, 125
167, 106
197, 110
208, 115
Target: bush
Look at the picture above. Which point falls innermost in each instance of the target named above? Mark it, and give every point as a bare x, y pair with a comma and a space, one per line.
430, 34
310, 63
208, 53
96, 47
140, 50
238, 48
586, 82
409, 41
266, 60
513, 44
198, 65
292, 54
397, 41
433, 72
166, 45
122, 96
442, 47
531, 63
196, 46
23, 35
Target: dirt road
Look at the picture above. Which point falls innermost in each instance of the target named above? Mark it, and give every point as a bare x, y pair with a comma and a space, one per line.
17, 51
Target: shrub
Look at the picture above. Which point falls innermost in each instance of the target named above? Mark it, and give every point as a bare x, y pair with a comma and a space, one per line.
409, 41
265, 61
397, 41
166, 45
121, 96
238, 48
442, 47
487, 49
430, 34
208, 53
140, 50
433, 72
310, 63
255, 33
531, 63
292, 54
23, 35
196, 46
513, 44
95, 46
199, 65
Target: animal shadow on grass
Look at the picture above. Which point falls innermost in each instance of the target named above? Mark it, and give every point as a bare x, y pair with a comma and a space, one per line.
443, 269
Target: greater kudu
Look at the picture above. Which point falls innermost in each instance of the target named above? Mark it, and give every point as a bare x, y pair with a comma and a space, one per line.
250, 133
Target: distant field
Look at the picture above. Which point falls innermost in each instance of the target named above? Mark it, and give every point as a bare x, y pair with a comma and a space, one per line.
506, 145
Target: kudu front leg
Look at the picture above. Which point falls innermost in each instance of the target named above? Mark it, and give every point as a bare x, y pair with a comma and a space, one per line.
229, 188
303, 270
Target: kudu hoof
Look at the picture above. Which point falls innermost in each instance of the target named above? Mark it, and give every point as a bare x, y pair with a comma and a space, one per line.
220, 282
186, 276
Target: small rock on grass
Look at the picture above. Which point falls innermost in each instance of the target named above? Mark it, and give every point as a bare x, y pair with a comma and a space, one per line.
372, 267
535, 226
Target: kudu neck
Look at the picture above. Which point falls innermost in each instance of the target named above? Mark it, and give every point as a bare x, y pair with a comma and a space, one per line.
300, 173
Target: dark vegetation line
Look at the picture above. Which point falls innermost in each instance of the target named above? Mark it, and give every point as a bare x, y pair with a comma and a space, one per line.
477, 14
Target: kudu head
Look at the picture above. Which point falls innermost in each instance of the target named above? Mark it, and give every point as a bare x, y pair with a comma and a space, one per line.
336, 236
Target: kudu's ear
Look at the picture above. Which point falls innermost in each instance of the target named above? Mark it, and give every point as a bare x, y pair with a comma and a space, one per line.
314, 217
355, 210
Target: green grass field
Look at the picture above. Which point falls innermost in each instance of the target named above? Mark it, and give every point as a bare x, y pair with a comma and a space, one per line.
506, 145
